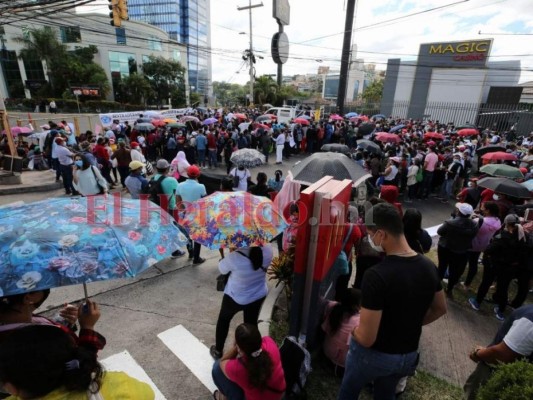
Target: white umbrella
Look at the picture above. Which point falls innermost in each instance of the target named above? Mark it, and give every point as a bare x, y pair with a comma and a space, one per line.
244, 126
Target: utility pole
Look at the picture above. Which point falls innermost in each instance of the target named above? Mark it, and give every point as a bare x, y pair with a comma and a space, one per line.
251, 56
345, 59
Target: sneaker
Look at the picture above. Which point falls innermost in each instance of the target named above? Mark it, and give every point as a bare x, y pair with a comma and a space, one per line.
473, 303
499, 315
215, 353
198, 261
177, 253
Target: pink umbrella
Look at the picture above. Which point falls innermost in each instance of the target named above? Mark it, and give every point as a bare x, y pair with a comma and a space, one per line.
301, 121
336, 117
388, 137
258, 126
21, 130
240, 116
189, 118
434, 135
158, 122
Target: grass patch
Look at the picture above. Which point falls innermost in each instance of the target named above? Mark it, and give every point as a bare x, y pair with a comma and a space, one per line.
322, 384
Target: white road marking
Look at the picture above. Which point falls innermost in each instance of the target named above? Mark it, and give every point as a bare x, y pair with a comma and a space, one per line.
124, 362
193, 353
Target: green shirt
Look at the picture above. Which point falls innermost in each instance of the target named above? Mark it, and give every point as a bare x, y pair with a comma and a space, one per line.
169, 186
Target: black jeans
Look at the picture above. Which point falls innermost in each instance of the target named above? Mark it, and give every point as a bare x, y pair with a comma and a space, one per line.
66, 173
489, 274
454, 262
124, 172
228, 310
473, 257
505, 274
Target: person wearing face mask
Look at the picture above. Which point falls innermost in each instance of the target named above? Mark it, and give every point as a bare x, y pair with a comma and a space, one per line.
403, 290
451, 176
471, 194
456, 235
87, 178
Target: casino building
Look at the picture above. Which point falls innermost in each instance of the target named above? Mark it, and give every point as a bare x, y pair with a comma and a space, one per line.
445, 73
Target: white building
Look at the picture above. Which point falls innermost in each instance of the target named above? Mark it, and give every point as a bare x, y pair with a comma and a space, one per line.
121, 51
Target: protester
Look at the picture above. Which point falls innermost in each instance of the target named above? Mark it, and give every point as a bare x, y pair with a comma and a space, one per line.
243, 175
66, 164
390, 175
260, 188
102, 158
123, 157
430, 162
245, 291
43, 362
280, 145
384, 347
470, 194
275, 184
417, 238
87, 178
251, 369
135, 182
412, 183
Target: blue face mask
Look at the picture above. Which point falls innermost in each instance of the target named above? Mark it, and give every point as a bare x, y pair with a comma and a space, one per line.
79, 163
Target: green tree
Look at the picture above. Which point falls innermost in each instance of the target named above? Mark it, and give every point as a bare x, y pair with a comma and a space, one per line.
41, 44
374, 91
136, 89
228, 94
265, 90
165, 77
195, 98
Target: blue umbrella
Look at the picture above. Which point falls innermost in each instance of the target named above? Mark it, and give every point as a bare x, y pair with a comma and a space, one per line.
210, 121
397, 128
528, 184
378, 116
351, 115
60, 242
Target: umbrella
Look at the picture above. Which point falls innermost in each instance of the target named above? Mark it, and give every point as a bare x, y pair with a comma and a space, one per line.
257, 126
433, 135
489, 149
158, 122
336, 148
339, 166
153, 114
169, 120
466, 126
528, 185
336, 117
499, 156
145, 120
368, 145
366, 129
176, 125
210, 121
301, 121
266, 117
144, 126
307, 117
229, 117
240, 116
247, 158
505, 186
379, 116
189, 118
351, 114
468, 132
59, 242
232, 220
397, 128
21, 131
502, 170
244, 126
388, 137
363, 118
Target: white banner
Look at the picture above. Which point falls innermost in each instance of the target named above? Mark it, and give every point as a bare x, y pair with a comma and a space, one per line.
107, 119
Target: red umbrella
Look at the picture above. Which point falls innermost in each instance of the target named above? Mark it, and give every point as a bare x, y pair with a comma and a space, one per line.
468, 132
499, 156
301, 121
271, 116
240, 116
363, 118
336, 117
158, 122
388, 137
434, 135
257, 126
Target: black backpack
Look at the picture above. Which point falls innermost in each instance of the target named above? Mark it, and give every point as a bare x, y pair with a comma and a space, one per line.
296, 362
155, 190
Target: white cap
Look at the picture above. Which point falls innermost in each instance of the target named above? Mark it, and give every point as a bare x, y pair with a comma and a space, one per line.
465, 208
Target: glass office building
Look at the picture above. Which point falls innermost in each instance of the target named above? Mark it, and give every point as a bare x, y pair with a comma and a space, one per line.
186, 21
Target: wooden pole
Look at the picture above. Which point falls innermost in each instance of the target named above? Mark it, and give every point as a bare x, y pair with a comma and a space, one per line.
77, 126
5, 124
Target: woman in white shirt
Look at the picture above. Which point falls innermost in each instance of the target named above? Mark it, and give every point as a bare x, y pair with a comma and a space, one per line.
412, 184
245, 291
244, 176
88, 180
390, 174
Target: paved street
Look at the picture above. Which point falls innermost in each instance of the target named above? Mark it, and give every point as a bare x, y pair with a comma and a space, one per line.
160, 325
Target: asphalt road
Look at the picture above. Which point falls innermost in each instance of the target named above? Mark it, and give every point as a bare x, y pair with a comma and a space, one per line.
172, 295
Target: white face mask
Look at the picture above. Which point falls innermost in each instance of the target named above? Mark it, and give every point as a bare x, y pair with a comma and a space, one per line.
495, 197
377, 248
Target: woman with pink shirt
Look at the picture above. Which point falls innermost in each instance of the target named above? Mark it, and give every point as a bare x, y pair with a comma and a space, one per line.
340, 321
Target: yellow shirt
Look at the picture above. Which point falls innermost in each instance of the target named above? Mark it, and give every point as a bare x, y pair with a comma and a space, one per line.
115, 386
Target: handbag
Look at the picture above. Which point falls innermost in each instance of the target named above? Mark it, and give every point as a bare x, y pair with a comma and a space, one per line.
236, 180
222, 281
419, 175
102, 189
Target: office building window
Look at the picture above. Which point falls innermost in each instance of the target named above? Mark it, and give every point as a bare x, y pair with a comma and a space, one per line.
177, 55
121, 35
70, 34
11, 72
34, 69
122, 63
155, 44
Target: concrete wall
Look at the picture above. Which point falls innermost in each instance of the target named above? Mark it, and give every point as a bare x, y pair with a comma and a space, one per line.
501, 73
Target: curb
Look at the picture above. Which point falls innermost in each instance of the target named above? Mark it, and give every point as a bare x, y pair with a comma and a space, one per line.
31, 189
265, 316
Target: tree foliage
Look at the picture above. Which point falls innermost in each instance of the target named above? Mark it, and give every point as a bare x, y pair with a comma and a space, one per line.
374, 91
229, 94
165, 77
136, 89
265, 90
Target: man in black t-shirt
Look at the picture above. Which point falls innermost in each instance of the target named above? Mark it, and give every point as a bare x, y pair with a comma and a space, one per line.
400, 295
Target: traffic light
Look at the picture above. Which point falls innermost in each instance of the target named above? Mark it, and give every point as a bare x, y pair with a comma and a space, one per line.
119, 12
123, 9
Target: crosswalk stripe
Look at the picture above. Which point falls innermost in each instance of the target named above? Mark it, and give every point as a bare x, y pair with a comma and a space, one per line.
193, 353
124, 362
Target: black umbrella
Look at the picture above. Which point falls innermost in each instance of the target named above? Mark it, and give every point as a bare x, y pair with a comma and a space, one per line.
490, 149
465, 126
319, 165
369, 146
366, 129
505, 186
336, 148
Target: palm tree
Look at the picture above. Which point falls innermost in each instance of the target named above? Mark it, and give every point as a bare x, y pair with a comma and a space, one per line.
265, 89
41, 44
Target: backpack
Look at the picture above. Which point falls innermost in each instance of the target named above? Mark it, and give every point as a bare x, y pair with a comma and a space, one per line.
155, 189
236, 179
296, 363
242, 143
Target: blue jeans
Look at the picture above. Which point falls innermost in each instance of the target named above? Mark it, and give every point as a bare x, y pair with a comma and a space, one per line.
212, 158
446, 189
228, 388
201, 157
365, 365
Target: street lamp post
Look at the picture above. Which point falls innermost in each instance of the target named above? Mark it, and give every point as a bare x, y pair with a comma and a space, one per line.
251, 54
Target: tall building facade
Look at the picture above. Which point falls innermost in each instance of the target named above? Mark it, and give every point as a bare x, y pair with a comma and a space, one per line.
188, 22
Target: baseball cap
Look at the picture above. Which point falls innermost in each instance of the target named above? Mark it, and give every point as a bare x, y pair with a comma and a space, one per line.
136, 165
511, 219
193, 171
59, 139
162, 164
134, 144
464, 208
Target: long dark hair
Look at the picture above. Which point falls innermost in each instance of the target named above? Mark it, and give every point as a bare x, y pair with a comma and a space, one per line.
348, 306
256, 257
38, 359
412, 223
257, 362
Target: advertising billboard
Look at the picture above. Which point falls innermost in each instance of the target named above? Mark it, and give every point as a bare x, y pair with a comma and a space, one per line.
465, 53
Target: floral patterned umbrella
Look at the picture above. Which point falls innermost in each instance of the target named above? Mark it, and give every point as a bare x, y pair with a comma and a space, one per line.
232, 220
60, 242
247, 158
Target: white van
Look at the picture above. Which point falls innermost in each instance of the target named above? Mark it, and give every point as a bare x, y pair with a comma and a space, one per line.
284, 114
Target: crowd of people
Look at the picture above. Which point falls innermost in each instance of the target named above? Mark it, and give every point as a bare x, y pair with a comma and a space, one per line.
394, 283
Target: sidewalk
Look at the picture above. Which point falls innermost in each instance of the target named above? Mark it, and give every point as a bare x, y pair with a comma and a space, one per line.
32, 181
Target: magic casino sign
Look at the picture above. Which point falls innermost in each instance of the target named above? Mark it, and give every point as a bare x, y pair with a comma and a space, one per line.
467, 53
